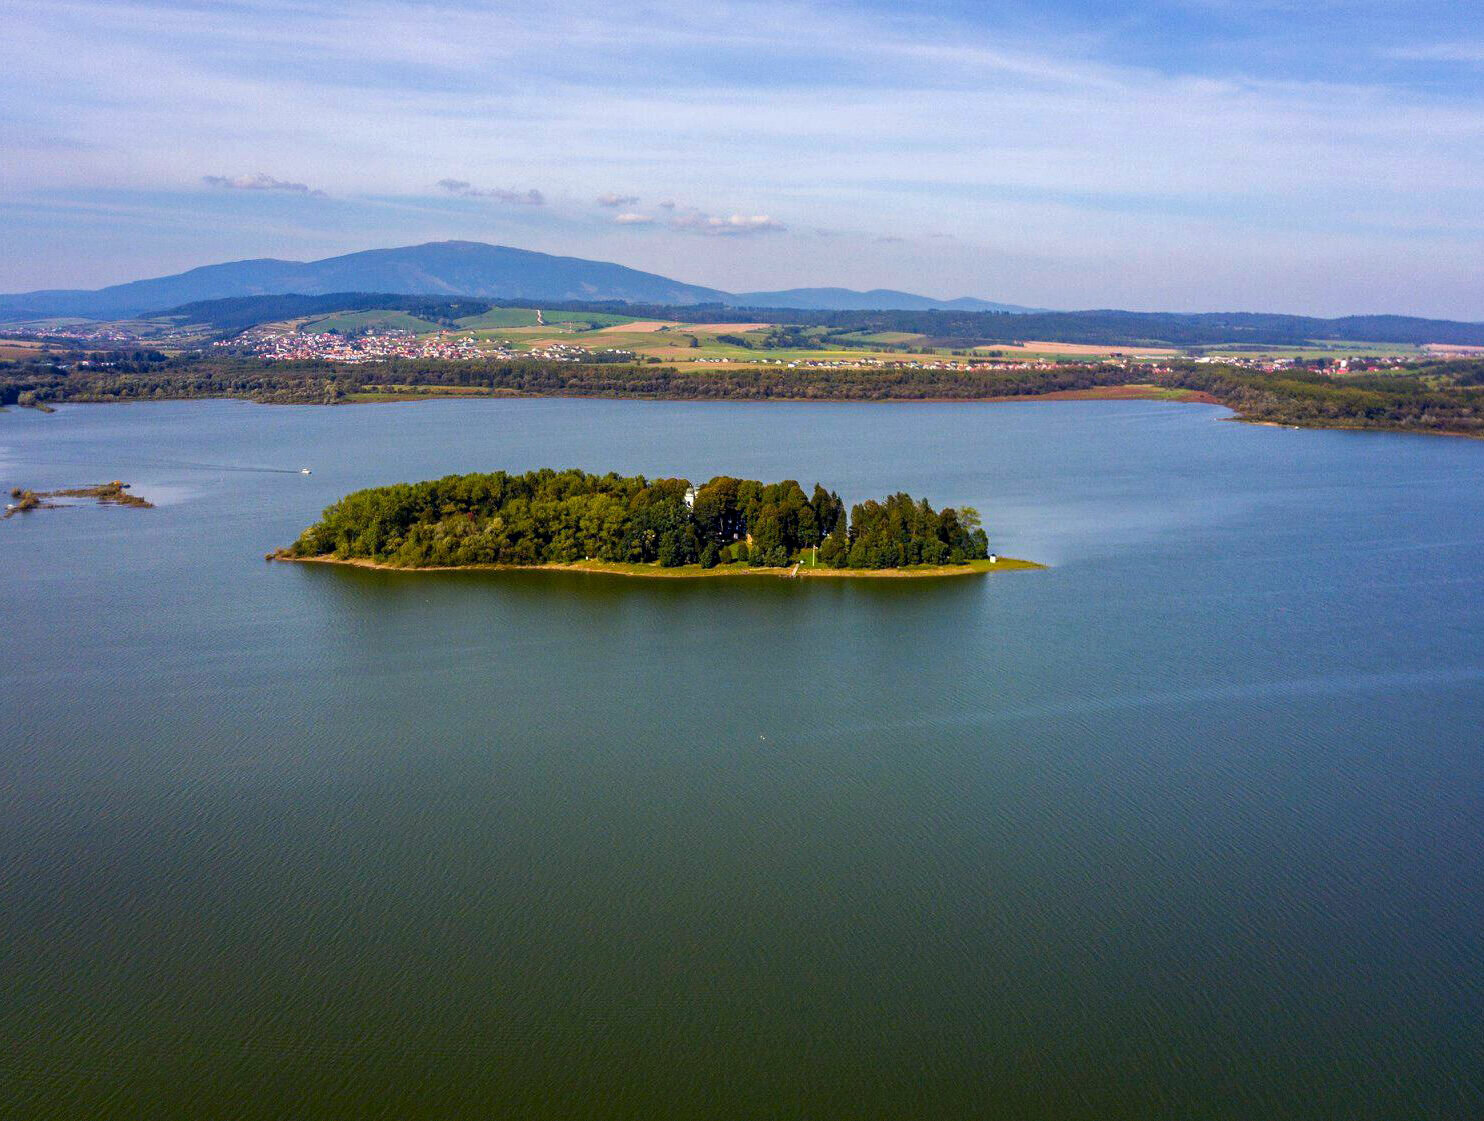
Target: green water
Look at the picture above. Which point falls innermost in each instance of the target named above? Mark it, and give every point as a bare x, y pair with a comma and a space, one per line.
1187, 826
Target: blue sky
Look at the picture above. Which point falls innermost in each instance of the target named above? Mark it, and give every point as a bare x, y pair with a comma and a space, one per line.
1321, 157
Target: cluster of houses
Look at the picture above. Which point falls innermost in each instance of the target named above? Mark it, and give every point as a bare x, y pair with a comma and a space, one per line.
372, 346
566, 352
896, 364
97, 334
277, 345
1270, 365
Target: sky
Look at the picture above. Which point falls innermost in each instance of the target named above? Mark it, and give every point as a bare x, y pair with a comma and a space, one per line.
1319, 157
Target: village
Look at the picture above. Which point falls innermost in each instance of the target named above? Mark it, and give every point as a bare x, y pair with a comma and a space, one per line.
369, 346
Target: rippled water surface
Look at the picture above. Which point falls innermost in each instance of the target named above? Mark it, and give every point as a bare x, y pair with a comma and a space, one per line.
1187, 826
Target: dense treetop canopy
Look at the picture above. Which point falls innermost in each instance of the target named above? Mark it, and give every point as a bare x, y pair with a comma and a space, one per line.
558, 517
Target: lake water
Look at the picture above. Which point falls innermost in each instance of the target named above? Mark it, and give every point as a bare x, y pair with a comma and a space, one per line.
1187, 826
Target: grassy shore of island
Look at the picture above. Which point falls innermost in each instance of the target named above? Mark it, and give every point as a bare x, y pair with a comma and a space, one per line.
656, 571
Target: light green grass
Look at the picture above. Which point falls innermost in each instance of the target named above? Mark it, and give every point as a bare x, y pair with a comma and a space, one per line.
897, 337
348, 322
526, 317
498, 317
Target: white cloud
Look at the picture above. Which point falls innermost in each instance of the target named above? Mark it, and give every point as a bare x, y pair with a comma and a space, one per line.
632, 219
616, 200
697, 222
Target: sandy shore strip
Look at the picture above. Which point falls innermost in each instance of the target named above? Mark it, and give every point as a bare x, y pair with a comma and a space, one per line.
690, 571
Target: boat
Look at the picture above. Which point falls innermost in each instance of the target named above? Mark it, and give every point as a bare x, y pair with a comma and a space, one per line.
305, 471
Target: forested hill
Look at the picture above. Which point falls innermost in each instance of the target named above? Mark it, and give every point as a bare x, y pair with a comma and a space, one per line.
846, 299
1114, 328
551, 517
1103, 328
237, 313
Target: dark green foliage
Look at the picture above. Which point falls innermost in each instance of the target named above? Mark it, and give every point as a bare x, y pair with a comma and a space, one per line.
791, 337
835, 551
1434, 398
900, 532
551, 517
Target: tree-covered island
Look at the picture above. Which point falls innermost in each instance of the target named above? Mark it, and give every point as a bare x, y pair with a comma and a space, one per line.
660, 526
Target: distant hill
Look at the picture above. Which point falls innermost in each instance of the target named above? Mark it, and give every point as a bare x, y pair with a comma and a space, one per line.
453, 273
440, 268
877, 299
239, 312
1134, 329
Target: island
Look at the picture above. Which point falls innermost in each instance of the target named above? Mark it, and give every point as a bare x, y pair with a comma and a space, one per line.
644, 527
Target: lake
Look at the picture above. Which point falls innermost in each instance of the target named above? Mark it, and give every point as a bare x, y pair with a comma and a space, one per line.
1186, 826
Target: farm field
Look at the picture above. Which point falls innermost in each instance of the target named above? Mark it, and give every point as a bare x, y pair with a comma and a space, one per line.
1074, 350
526, 317
348, 322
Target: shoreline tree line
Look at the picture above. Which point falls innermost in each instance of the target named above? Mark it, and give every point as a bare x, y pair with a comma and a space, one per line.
1433, 396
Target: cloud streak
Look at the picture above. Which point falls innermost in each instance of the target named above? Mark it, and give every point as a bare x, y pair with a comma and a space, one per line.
1465, 52
259, 182
616, 200
466, 190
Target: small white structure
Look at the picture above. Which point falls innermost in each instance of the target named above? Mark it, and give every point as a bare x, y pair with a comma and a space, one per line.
994, 558
690, 498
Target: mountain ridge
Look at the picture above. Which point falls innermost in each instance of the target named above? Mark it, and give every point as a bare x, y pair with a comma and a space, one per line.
876, 299
439, 268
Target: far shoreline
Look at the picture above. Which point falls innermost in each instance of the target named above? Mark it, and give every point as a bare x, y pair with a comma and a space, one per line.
1192, 397
689, 571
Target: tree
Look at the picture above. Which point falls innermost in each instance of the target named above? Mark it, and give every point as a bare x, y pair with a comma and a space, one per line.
835, 552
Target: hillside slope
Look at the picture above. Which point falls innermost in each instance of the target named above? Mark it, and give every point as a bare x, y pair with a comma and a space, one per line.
877, 299
451, 268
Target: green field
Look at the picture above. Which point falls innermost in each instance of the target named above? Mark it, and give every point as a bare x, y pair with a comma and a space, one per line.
890, 337
349, 322
526, 317
1316, 350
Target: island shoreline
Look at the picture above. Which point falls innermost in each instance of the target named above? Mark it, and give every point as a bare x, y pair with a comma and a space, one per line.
686, 572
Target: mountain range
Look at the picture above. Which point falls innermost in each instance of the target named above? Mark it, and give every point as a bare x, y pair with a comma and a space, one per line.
445, 268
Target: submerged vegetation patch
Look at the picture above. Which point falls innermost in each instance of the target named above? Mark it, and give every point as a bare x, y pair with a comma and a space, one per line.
115, 493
